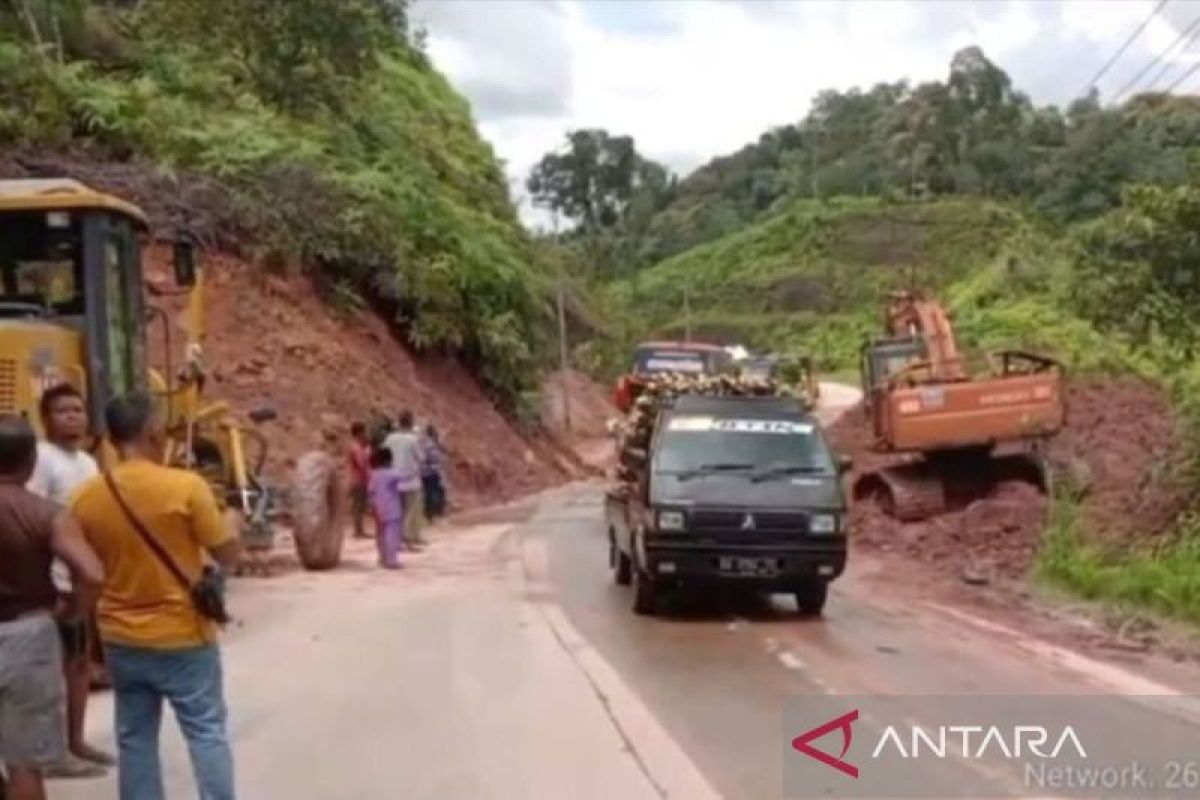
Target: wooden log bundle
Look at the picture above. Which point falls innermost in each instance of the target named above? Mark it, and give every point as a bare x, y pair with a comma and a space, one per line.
635, 429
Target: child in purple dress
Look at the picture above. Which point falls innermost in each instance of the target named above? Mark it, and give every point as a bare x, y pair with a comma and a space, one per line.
387, 503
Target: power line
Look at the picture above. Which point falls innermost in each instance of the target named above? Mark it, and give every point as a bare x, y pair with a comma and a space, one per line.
1158, 76
1192, 71
1167, 67
1189, 33
1121, 50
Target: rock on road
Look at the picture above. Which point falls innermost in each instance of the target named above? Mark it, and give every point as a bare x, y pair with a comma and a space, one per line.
504, 663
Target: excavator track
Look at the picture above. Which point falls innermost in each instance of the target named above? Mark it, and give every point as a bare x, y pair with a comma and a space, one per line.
918, 490
914, 492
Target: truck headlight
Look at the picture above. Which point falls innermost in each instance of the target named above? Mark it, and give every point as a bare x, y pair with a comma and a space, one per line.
671, 521
823, 523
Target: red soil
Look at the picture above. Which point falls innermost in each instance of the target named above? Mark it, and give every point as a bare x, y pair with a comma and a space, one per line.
271, 341
1124, 449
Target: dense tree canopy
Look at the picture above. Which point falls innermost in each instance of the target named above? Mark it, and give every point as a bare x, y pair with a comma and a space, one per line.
1138, 270
972, 134
326, 133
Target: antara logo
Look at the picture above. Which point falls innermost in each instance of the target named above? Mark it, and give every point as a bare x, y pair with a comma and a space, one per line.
944, 741
977, 741
843, 723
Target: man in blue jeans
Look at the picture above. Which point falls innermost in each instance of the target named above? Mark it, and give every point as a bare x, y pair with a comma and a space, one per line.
158, 646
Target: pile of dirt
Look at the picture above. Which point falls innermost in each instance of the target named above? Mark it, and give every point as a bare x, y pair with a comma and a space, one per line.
273, 342
1123, 449
1127, 451
589, 405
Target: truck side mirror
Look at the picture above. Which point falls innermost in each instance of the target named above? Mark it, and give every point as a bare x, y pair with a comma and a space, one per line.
185, 264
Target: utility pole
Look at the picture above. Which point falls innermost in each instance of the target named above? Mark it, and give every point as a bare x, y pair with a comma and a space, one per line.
816, 185
563, 363
687, 314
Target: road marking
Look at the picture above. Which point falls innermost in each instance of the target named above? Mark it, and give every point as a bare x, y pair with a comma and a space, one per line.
658, 755
790, 660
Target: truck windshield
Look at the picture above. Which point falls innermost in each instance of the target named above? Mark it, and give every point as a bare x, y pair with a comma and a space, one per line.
691, 444
40, 263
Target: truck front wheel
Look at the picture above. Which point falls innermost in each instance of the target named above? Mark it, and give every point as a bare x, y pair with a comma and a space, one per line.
811, 596
645, 593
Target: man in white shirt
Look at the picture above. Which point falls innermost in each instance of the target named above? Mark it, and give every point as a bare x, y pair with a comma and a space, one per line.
407, 454
61, 467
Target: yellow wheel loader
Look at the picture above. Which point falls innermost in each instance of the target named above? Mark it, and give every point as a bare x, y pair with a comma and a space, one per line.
72, 310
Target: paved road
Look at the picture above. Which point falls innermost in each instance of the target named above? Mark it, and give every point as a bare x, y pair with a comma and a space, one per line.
717, 675
504, 663
448, 680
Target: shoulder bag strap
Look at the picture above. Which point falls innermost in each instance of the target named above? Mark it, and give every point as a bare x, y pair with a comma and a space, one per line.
146, 536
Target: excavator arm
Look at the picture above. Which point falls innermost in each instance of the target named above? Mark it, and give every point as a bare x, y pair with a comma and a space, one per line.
912, 315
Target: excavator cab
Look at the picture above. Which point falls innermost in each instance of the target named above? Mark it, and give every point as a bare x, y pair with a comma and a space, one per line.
70, 295
879, 361
884, 358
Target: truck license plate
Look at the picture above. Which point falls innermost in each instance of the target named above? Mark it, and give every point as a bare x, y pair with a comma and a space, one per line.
758, 567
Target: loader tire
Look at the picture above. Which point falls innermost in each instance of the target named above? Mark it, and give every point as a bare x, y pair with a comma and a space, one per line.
319, 499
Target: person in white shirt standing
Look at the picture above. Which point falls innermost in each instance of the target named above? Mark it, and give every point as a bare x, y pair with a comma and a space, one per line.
62, 465
407, 457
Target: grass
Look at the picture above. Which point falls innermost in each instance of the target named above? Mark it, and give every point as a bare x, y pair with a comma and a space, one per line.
1164, 580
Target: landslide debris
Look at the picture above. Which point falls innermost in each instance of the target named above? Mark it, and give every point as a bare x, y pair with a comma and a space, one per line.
274, 341
1124, 450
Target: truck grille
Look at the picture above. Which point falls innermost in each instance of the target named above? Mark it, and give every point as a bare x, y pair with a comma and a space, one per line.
730, 521
8, 386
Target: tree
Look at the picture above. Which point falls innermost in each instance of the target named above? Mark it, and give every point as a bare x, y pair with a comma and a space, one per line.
970, 133
597, 179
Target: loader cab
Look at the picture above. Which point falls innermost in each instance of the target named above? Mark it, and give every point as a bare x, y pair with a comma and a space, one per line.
71, 307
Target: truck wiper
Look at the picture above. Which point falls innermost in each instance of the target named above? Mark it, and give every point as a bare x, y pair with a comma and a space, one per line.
705, 469
785, 470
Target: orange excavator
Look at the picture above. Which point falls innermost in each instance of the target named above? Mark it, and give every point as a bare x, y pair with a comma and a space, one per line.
954, 434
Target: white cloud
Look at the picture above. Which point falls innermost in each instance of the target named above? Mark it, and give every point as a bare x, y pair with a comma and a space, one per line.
692, 79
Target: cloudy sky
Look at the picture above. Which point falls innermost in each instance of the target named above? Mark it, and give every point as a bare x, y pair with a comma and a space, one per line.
691, 79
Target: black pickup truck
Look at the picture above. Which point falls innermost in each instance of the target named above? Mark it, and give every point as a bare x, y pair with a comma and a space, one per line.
735, 490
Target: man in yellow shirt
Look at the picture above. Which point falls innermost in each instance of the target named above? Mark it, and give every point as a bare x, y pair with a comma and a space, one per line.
158, 646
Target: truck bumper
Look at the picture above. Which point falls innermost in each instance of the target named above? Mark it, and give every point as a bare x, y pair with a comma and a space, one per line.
764, 568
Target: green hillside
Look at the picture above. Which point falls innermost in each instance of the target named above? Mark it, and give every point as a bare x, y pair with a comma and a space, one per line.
1115, 297
317, 129
813, 274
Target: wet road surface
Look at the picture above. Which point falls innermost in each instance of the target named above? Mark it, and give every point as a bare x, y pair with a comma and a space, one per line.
505, 663
718, 673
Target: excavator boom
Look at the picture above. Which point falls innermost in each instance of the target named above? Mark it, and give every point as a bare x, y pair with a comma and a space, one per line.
914, 316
